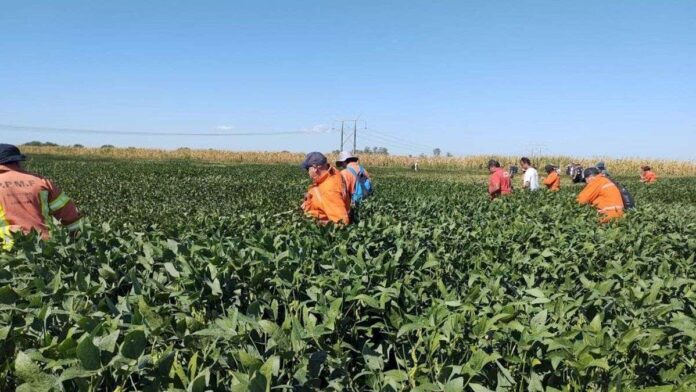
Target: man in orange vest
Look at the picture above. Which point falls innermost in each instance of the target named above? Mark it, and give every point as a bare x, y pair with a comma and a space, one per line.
552, 180
28, 201
499, 181
327, 199
647, 175
603, 194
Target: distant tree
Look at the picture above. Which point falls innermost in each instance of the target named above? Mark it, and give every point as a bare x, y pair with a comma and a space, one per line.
422, 155
449, 155
78, 146
37, 143
107, 146
437, 152
366, 150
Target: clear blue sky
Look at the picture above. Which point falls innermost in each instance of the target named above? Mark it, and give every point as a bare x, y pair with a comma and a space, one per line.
578, 77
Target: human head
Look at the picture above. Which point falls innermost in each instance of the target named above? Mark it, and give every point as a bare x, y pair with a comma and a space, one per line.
525, 163
645, 168
315, 163
10, 154
549, 168
344, 158
493, 165
590, 173
600, 165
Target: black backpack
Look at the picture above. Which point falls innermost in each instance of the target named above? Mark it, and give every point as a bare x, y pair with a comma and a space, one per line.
626, 196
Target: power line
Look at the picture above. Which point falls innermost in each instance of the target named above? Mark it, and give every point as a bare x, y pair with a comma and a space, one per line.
149, 133
399, 139
370, 138
404, 144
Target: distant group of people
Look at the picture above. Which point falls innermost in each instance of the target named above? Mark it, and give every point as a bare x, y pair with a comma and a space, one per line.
606, 195
500, 180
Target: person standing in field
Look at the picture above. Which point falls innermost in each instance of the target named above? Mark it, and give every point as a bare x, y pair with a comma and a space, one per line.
28, 201
553, 179
647, 176
499, 180
530, 179
603, 194
357, 179
327, 199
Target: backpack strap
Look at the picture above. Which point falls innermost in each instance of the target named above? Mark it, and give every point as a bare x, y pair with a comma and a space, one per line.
353, 171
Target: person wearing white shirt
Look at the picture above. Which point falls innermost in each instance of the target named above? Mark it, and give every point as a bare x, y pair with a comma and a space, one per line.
530, 180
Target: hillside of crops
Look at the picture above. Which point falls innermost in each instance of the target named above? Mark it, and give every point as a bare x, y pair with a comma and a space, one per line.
195, 277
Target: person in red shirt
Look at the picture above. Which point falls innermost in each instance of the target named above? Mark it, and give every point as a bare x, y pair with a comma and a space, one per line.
499, 181
28, 201
647, 175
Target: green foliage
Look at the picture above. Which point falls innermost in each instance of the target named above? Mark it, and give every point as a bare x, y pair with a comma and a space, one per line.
187, 278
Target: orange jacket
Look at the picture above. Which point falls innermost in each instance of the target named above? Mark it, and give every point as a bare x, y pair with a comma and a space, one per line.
327, 199
604, 195
28, 201
648, 177
553, 181
350, 179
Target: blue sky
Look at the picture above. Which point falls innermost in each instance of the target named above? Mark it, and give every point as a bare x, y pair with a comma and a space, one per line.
471, 77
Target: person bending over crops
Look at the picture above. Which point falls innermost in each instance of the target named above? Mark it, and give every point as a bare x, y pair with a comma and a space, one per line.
28, 201
327, 198
647, 175
553, 179
603, 194
358, 181
499, 180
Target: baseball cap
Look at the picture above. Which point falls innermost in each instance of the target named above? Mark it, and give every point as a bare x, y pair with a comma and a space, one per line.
313, 158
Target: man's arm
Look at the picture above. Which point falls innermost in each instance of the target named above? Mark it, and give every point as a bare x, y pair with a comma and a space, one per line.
62, 207
588, 193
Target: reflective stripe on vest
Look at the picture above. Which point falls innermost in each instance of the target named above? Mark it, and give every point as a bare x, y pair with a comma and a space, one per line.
5, 233
58, 203
75, 225
43, 198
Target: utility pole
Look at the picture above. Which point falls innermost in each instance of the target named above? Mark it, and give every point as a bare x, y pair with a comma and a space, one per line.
340, 148
355, 135
345, 137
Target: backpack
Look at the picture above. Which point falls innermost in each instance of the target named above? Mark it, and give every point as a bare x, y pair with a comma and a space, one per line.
626, 196
363, 185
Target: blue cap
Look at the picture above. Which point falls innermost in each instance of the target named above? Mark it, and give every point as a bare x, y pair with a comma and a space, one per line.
314, 158
10, 153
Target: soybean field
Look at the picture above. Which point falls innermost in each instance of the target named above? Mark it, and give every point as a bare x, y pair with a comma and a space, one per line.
197, 277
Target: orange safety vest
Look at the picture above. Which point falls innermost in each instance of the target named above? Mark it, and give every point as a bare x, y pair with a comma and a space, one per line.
553, 182
648, 177
28, 202
605, 196
328, 199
